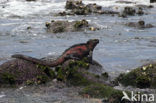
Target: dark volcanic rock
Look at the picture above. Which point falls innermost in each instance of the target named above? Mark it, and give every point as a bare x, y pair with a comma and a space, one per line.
19, 71
141, 77
145, 6
79, 8
72, 73
140, 25
71, 4
152, 1
124, 2
66, 26
131, 11
30, 0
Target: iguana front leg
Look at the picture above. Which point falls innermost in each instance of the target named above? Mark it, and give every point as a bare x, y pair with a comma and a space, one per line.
90, 56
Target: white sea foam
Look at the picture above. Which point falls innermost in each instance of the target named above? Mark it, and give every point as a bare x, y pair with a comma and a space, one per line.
23, 8
1, 96
108, 3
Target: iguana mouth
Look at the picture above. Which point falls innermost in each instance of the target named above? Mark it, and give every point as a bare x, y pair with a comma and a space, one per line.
95, 40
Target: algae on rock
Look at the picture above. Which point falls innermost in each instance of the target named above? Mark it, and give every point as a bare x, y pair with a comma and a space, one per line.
141, 77
61, 26
17, 71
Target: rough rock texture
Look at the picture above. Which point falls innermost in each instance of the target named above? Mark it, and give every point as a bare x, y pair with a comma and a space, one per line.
141, 77
124, 2
19, 71
79, 8
140, 25
66, 26
152, 1
30, 0
72, 73
131, 11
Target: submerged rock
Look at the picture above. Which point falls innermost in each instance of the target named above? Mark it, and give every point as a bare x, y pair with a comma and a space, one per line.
79, 8
141, 77
152, 1
131, 11
145, 6
30, 0
140, 25
66, 26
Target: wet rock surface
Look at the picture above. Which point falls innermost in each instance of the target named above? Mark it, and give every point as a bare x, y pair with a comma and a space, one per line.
30, 0
71, 73
66, 26
141, 77
131, 11
20, 71
140, 25
79, 8
152, 1
125, 2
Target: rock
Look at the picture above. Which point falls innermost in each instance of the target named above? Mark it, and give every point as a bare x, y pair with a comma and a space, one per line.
92, 29
79, 8
61, 26
131, 11
141, 77
30, 0
140, 25
140, 11
71, 4
102, 91
124, 2
107, 12
19, 71
73, 73
152, 1
145, 6
29, 27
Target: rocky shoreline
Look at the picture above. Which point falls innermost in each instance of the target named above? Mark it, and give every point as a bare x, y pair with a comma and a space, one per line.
75, 76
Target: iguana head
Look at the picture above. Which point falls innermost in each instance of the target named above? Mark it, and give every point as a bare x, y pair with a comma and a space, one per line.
92, 43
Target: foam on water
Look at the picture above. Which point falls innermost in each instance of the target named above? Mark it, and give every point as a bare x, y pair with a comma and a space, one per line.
23, 8
110, 3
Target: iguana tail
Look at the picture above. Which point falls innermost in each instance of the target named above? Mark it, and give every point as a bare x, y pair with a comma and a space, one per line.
39, 61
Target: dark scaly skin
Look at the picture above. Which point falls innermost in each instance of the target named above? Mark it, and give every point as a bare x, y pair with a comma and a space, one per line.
77, 51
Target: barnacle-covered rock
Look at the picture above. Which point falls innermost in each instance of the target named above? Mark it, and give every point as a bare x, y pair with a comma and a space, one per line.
61, 26
141, 77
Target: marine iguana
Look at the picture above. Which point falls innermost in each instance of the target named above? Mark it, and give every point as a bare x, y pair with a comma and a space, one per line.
77, 52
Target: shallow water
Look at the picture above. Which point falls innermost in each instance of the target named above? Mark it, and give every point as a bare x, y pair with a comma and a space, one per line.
118, 51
